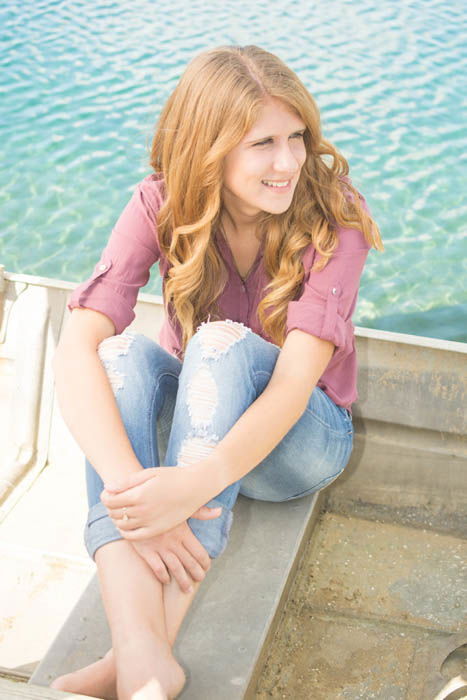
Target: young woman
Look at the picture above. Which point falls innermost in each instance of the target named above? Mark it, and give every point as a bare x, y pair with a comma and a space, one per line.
261, 240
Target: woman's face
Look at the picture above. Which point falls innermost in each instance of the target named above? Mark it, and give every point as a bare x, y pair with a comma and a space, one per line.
262, 171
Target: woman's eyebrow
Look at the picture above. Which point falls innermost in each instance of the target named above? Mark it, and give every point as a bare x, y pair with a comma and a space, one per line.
271, 136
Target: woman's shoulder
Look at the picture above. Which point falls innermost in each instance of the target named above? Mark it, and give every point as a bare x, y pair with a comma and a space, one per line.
151, 191
349, 195
350, 238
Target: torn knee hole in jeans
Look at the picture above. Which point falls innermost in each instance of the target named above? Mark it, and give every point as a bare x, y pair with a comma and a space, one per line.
108, 350
202, 394
217, 337
202, 400
202, 397
196, 448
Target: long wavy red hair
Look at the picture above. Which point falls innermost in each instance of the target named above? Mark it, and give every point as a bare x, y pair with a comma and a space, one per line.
215, 103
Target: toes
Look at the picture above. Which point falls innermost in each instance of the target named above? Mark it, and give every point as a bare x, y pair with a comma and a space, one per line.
59, 683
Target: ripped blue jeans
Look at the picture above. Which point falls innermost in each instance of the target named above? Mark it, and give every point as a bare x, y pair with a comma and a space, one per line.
175, 413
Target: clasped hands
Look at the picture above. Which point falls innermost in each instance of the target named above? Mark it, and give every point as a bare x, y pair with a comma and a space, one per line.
158, 501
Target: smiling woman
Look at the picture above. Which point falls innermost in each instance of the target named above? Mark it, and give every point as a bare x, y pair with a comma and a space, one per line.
261, 245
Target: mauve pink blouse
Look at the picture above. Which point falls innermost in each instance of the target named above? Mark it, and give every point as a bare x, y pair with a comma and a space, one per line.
324, 307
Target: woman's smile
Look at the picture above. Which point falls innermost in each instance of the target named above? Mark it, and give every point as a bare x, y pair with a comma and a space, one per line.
279, 186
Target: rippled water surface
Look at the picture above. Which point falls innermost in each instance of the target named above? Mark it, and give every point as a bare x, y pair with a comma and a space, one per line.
82, 84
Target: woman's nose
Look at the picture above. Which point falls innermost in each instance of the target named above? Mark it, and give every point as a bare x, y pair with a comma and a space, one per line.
285, 160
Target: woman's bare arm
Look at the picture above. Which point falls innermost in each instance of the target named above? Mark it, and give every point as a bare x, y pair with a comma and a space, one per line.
302, 361
86, 398
89, 409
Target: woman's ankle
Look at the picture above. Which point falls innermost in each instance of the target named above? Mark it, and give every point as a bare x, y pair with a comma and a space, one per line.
147, 664
134, 642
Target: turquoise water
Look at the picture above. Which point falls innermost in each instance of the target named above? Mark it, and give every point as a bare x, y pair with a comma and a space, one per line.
82, 84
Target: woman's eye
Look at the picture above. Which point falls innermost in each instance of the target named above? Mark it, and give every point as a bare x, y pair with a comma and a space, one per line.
298, 135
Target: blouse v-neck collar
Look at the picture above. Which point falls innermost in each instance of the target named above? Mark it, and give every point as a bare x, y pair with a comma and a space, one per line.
229, 258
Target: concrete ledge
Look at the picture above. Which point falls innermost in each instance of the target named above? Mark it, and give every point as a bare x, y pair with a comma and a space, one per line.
223, 636
419, 384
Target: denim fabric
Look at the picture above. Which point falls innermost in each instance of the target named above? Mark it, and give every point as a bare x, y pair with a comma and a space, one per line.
167, 406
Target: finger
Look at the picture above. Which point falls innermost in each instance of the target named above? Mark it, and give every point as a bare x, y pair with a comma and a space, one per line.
141, 533
206, 513
177, 571
118, 500
158, 567
118, 517
196, 549
119, 513
193, 567
127, 525
131, 480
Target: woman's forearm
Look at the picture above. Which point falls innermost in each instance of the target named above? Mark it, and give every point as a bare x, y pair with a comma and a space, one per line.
91, 413
256, 433
301, 362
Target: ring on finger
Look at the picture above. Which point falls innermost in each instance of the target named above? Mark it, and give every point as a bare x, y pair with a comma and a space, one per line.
125, 513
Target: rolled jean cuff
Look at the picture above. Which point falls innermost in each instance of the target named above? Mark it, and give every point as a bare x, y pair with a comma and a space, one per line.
213, 534
99, 529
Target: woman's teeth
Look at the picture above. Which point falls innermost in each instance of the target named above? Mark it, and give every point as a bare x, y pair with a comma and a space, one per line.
268, 183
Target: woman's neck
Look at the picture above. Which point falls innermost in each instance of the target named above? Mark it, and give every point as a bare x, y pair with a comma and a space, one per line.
238, 229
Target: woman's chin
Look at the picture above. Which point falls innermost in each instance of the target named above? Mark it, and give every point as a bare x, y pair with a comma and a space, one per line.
278, 208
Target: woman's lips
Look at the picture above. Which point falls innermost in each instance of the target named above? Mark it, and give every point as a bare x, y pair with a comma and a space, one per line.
278, 189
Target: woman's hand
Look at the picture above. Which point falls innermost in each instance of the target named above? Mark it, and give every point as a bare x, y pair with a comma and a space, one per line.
156, 500
176, 554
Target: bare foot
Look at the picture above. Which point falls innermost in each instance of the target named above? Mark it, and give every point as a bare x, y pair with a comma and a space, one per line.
148, 671
97, 679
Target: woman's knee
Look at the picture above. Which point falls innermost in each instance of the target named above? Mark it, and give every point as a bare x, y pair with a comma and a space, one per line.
214, 339
112, 351
135, 356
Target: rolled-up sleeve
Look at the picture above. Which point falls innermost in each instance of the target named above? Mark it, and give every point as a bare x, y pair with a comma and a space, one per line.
328, 297
125, 262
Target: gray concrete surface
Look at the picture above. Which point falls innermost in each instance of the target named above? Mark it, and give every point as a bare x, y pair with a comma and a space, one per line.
225, 631
375, 610
405, 484
403, 575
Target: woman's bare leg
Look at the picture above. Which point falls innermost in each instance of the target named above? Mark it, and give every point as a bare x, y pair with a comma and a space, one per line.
144, 618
